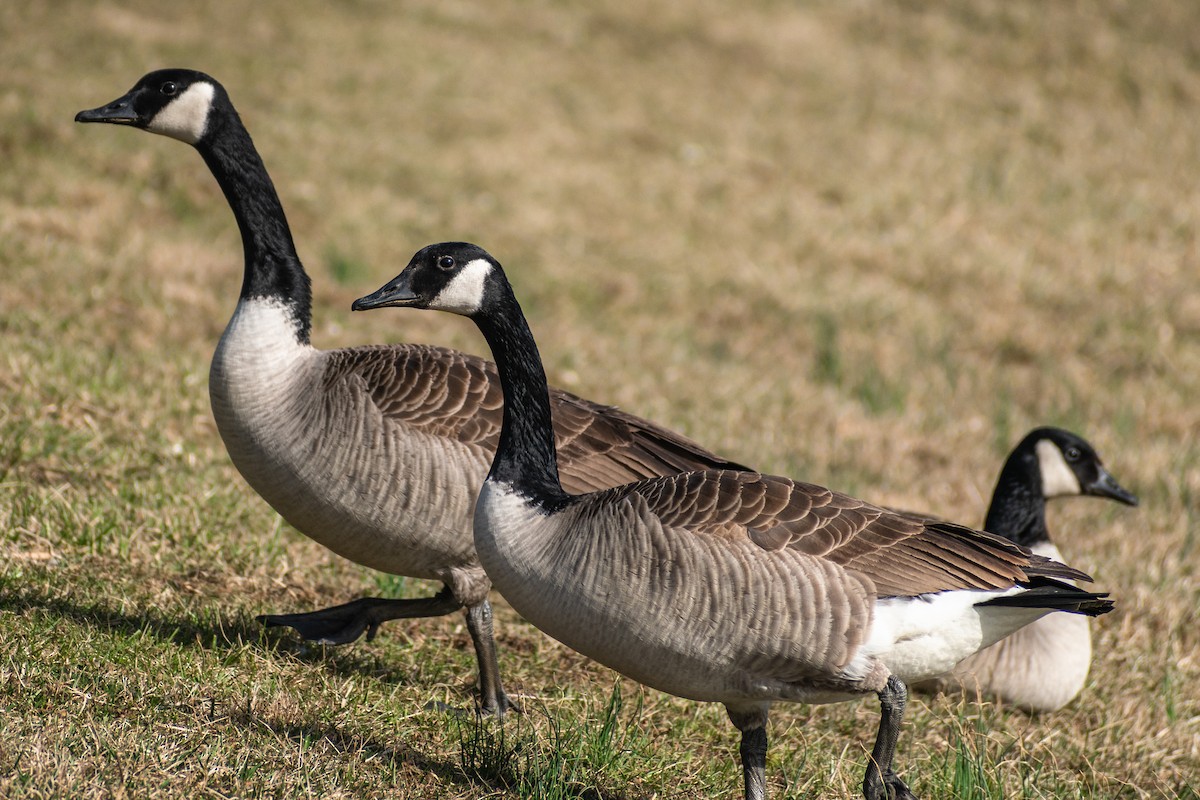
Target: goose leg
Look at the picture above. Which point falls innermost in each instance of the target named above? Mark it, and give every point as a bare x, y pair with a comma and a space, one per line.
492, 699
881, 782
753, 749
345, 623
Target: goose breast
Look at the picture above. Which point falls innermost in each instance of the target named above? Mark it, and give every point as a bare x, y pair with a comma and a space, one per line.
314, 433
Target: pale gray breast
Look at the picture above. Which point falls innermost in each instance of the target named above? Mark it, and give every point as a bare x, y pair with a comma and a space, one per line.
303, 428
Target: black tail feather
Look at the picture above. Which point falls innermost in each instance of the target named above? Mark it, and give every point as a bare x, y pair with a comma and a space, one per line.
1056, 596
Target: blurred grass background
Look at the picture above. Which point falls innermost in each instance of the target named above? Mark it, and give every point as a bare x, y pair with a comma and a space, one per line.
864, 244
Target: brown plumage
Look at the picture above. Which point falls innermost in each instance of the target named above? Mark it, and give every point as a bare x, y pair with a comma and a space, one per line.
457, 396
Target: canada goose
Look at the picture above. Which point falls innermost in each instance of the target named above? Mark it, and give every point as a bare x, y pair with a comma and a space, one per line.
376, 452
725, 586
1044, 665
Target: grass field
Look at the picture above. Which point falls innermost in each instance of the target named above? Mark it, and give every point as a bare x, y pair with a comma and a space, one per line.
864, 244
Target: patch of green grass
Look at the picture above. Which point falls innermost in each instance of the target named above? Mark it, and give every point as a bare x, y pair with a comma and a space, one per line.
969, 768
398, 585
827, 360
877, 393
545, 754
346, 270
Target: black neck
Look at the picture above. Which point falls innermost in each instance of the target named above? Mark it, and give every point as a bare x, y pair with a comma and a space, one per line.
273, 268
1018, 509
526, 458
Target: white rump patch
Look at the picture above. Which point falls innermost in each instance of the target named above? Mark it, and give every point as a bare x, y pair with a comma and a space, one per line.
186, 117
464, 294
1058, 479
921, 637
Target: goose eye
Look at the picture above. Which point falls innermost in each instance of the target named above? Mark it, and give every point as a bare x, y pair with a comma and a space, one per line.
170, 88
446, 262
1073, 454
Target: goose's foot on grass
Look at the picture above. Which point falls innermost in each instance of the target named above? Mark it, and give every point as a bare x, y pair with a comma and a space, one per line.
346, 623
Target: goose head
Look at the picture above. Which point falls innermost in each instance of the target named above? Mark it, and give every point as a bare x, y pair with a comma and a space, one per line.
1068, 465
172, 102
454, 276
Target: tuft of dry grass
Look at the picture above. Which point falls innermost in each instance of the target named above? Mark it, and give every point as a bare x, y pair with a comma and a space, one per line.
866, 245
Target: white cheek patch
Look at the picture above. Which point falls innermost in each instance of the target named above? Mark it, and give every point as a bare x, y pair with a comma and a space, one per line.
464, 293
186, 117
1058, 479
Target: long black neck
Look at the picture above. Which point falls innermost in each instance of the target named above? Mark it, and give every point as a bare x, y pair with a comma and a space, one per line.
1018, 509
273, 268
526, 458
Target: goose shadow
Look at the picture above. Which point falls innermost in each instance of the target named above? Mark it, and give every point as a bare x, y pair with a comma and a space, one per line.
221, 633
208, 630
392, 755
400, 755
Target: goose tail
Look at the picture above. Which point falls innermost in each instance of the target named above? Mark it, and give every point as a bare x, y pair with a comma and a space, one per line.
1056, 596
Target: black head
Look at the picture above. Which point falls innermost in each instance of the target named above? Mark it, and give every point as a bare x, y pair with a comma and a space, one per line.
173, 102
453, 276
1068, 465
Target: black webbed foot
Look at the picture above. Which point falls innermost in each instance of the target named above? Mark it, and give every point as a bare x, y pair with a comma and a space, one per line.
347, 622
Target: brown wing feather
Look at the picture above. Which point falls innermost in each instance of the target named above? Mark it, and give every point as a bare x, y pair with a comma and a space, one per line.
903, 556
455, 395
601, 446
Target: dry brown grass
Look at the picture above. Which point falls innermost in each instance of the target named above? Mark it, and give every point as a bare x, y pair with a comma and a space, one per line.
864, 244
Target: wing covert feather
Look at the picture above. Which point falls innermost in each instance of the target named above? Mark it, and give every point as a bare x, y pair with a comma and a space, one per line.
457, 396
902, 555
